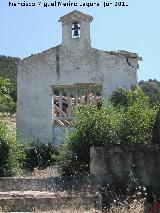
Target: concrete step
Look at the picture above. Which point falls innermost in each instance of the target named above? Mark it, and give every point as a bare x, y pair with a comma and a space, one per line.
31, 201
52, 184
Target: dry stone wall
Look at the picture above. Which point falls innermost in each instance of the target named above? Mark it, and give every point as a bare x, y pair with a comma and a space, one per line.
121, 165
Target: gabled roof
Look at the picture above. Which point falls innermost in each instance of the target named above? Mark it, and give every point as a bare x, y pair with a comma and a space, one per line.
76, 15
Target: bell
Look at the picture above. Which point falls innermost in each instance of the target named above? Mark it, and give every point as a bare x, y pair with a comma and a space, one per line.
76, 33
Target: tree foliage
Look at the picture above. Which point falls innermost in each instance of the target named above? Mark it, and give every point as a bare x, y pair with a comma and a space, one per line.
151, 88
8, 67
7, 96
124, 98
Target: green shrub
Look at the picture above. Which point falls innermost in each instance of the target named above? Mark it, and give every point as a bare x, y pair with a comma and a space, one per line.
11, 152
19, 155
39, 155
130, 123
119, 97
90, 127
137, 124
139, 115
7, 105
123, 98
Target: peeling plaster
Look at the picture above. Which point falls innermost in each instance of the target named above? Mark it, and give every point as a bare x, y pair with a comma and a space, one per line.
129, 64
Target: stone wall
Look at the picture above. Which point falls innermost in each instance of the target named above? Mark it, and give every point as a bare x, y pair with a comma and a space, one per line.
124, 164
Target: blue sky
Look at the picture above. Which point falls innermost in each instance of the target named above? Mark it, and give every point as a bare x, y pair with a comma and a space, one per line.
136, 28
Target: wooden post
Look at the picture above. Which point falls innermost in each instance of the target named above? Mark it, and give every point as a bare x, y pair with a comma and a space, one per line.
60, 104
69, 104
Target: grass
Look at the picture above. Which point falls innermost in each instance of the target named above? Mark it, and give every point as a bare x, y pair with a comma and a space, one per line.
135, 206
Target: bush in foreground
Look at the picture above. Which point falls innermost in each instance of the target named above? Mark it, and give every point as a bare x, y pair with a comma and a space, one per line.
18, 155
40, 155
12, 152
128, 123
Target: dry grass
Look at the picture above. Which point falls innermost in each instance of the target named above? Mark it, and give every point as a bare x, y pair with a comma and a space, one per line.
133, 207
49, 171
76, 211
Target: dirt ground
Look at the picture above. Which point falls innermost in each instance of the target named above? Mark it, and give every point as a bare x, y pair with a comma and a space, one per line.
11, 121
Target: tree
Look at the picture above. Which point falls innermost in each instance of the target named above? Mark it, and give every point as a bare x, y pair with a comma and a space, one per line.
151, 88
8, 67
7, 89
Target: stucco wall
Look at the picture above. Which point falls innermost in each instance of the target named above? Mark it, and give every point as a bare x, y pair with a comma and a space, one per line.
60, 65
